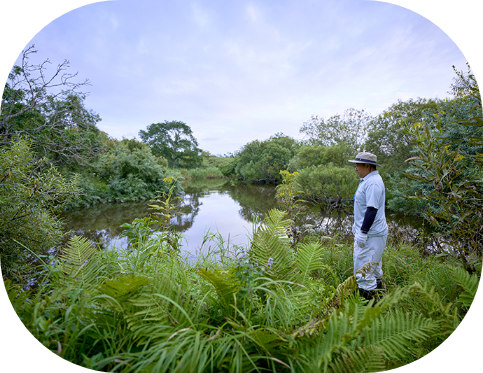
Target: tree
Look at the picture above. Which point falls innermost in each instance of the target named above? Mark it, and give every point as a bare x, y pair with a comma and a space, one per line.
447, 169
350, 128
49, 109
174, 141
263, 160
132, 172
390, 136
314, 155
328, 186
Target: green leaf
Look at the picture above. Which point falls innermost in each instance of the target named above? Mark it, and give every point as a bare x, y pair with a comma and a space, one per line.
308, 259
225, 283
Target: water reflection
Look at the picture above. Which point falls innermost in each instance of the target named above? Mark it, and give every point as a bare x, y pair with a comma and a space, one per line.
219, 207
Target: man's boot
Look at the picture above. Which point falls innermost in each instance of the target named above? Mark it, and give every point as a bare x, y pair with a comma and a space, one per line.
366, 294
379, 283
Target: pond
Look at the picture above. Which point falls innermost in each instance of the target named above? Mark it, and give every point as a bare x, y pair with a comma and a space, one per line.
209, 208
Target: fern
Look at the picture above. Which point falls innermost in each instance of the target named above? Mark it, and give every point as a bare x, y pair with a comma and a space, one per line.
20, 300
123, 287
157, 316
361, 360
447, 314
395, 332
357, 330
226, 285
468, 282
337, 331
78, 260
308, 260
270, 240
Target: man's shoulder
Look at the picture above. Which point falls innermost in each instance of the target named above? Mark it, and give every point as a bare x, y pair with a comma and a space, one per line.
374, 179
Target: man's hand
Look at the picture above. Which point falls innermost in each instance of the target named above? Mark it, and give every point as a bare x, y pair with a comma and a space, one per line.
361, 239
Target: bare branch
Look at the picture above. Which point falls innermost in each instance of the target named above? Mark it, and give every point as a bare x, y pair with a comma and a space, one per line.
47, 108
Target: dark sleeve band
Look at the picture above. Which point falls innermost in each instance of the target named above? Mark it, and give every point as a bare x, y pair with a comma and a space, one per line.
369, 217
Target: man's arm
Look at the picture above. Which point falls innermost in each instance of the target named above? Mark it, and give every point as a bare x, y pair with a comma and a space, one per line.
369, 217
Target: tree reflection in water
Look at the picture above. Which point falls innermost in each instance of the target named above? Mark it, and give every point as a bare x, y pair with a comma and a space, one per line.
214, 207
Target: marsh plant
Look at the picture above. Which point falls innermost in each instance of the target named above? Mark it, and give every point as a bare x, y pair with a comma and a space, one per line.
267, 307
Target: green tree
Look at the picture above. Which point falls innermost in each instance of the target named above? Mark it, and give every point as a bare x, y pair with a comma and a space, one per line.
440, 117
390, 136
131, 171
49, 109
447, 172
174, 141
263, 160
314, 155
350, 128
31, 192
328, 186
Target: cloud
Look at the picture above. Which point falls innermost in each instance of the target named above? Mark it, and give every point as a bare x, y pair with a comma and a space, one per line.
253, 12
201, 17
246, 71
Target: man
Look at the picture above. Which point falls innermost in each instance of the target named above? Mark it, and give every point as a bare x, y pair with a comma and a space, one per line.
370, 227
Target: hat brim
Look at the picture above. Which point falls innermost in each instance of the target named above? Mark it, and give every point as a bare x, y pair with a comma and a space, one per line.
354, 161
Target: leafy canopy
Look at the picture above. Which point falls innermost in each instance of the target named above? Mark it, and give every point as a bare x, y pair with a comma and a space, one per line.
174, 141
350, 128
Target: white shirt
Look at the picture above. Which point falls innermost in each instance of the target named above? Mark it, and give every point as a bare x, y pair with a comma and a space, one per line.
370, 193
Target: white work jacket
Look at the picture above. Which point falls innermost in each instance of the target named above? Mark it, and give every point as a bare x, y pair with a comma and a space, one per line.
370, 193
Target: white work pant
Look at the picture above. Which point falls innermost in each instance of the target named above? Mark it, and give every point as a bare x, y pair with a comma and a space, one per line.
368, 261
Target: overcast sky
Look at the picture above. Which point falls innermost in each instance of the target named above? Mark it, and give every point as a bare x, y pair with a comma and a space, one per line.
243, 70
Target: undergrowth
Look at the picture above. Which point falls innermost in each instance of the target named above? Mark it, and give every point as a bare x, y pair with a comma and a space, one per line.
273, 306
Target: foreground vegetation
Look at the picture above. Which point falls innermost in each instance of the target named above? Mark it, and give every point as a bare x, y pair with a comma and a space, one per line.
272, 306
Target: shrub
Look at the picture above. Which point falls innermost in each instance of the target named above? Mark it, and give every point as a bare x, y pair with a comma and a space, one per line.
31, 192
328, 185
131, 173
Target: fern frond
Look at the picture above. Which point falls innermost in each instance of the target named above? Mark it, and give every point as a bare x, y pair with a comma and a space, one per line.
308, 259
347, 287
447, 314
123, 287
396, 331
270, 240
468, 282
225, 283
264, 338
78, 260
335, 332
19, 298
362, 360
159, 314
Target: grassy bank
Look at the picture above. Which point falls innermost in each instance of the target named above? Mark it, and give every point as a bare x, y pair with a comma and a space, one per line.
197, 174
272, 306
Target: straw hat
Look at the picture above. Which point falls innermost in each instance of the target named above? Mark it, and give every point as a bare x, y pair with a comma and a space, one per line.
365, 157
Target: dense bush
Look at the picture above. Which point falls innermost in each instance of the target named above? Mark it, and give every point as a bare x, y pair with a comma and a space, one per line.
328, 185
449, 183
315, 155
263, 160
31, 192
127, 171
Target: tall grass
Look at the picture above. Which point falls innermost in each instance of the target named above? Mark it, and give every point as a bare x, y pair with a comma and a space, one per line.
197, 174
150, 309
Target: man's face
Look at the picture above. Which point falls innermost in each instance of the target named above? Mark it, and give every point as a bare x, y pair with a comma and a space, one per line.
362, 169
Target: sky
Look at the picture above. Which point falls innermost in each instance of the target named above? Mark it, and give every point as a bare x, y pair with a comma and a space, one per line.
243, 70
